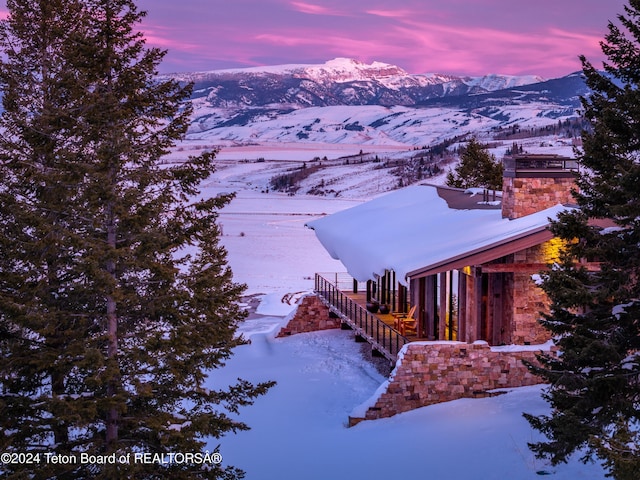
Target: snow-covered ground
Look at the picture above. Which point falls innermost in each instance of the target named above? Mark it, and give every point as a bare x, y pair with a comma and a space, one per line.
298, 430
369, 126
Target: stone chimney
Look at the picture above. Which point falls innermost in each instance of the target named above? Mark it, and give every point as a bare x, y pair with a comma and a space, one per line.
532, 183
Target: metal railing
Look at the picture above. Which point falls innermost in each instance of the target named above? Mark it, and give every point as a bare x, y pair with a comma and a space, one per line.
539, 162
384, 338
343, 281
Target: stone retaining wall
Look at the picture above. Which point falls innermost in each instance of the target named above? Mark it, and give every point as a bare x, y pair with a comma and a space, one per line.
435, 372
311, 316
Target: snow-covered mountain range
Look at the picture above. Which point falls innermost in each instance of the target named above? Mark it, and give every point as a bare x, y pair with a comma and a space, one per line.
337, 82
344, 101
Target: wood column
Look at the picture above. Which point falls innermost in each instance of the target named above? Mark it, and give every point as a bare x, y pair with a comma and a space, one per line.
421, 312
499, 308
442, 324
474, 305
462, 305
394, 291
431, 307
402, 298
494, 309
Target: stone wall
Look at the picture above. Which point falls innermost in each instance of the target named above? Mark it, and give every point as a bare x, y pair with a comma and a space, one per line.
524, 196
435, 372
530, 301
311, 316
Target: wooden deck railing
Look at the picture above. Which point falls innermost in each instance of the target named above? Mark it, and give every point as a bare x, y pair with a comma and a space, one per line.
384, 338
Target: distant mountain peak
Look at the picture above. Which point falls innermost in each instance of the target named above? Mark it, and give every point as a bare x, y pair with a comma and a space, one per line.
493, 81
347, 70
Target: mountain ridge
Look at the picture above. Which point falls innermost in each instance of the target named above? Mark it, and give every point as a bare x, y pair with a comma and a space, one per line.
340, 81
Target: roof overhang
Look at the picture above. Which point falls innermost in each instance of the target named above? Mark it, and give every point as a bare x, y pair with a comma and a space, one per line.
485, 254
414, 233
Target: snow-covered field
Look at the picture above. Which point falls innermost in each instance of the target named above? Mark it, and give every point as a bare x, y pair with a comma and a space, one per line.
298, 430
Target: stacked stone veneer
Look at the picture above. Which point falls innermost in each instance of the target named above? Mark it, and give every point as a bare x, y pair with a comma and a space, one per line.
433, 372
529, 300
524, 196
311, 315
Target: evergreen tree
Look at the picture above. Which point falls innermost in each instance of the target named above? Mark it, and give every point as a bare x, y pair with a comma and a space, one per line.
115, 295
595, 316
477, 168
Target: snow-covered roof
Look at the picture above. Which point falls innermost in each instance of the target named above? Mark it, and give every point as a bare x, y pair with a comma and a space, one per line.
411, 229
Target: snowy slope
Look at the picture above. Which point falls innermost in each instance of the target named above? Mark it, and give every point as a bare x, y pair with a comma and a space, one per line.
299, 428
364, 125
492, 82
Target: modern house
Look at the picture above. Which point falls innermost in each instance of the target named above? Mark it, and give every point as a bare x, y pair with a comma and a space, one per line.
463, 264
467, 264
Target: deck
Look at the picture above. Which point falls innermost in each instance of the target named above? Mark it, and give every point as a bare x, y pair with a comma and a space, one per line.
377, 329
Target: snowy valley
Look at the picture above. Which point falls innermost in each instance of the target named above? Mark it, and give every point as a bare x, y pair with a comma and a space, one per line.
346, 102
395, 127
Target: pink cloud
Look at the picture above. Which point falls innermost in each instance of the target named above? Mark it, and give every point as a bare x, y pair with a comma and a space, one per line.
312, 9
426, 47
335, 44
164, 39
469, 49
423, 41
390, 13
401, 14
449, 36
288, 40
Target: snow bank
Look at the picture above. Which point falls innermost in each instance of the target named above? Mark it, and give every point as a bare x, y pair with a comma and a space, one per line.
480, 191
544, 347
361, 410
272, 304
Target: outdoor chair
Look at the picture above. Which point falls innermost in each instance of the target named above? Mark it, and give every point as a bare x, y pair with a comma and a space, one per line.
406, 321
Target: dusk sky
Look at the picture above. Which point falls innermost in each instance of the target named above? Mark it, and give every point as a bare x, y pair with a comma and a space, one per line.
474, 37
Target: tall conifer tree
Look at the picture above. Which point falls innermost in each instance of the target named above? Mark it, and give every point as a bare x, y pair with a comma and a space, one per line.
595, 316
115, 296
477, 168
